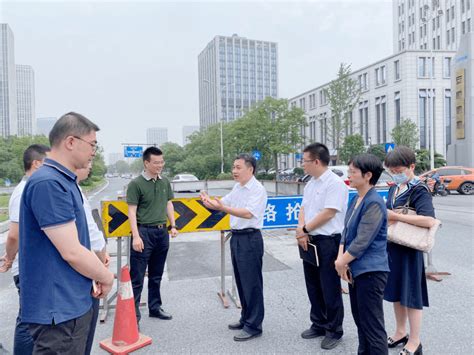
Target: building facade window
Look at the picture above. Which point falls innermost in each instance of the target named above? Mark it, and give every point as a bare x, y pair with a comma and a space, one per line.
396, 69
447, 116
425, 66
380, 75
397, 108
447, 67
303, 104
381, 119
364, 121
422, 117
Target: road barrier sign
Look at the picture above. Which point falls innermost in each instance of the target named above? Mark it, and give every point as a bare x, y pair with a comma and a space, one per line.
192, 216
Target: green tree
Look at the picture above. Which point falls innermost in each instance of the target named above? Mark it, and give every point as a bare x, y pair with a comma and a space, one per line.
122, 167
406, 134
342, 94
423, 160
173, 154
136, 166
11, 159
353, 145
270, 127
378, 150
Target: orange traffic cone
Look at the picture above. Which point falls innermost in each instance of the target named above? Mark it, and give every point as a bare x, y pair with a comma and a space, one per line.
125, 338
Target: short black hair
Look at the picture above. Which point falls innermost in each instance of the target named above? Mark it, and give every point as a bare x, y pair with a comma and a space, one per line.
400, 156
32, 153
71, 124
151, 151
249, 160
318, 151
368, 163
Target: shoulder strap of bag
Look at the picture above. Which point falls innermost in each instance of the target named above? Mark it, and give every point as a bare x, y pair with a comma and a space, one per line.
407, 204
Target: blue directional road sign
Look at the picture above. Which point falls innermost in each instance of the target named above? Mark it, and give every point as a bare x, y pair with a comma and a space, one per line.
389, 147
298, 156
283, 211
132, 151
257, 155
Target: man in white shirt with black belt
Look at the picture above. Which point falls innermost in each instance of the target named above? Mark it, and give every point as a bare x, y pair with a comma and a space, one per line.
246, 205
321, 222
98, 245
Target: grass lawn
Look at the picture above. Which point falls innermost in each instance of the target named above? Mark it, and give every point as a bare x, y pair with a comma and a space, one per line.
4, 198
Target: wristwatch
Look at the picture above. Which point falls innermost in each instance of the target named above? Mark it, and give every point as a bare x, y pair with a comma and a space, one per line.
171, 227
304, 229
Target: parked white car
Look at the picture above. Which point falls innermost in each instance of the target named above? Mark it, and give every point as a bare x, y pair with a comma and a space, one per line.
185, 182
185, 177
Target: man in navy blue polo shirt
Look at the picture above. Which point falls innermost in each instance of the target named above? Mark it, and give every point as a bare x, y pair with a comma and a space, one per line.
56, 264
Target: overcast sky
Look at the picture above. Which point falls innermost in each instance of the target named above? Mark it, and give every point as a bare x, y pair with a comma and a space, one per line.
132, 65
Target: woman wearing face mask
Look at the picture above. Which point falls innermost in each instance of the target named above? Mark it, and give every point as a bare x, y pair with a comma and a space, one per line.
406, 284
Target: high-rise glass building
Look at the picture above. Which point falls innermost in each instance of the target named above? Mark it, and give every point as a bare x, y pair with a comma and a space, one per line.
234, 74
8, 99
25, 86
430, 24
156, 136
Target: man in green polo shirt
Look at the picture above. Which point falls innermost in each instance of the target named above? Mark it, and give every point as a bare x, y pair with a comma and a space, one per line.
149, 205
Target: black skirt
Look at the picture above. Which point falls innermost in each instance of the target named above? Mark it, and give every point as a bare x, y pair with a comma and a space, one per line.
406, 281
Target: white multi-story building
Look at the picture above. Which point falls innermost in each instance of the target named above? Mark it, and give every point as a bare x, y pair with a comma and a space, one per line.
430, 24
44, 125
394, 88
187, 131
156, 136
25, 92
8, 99
234, 74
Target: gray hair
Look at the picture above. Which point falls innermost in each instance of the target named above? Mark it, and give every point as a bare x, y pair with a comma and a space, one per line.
71, 124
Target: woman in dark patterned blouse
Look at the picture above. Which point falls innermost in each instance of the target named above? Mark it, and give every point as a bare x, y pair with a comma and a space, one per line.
406, 285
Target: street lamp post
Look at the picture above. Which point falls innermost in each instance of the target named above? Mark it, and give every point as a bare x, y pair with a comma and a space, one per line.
221, 132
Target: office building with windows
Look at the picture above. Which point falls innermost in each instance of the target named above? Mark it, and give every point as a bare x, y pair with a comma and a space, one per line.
187, 131
8, 96
25, 92
395, 88
235, 73
156, 136
430, 24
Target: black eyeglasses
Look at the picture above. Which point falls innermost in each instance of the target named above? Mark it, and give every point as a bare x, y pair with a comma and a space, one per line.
92, 144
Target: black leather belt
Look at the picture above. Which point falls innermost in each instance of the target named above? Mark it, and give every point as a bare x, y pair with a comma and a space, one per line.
153, 226
244, 231
322, 236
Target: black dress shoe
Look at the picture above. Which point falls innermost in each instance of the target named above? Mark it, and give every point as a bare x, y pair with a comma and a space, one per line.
160, 314
244, 336
418, 351
236, 326
312, 333
329, 343
392, 343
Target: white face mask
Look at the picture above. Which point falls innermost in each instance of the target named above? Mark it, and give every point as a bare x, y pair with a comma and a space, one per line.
400, 179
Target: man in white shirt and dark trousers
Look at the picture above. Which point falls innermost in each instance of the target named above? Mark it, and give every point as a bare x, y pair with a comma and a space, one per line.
246, 205
97, 245
321, 222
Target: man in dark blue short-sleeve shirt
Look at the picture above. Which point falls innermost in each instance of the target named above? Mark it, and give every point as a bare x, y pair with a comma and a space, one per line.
56, 265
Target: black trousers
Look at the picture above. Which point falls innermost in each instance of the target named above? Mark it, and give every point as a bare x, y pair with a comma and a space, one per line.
324, 287
247, 258
366, 296
64, 338
94, 318
156, 242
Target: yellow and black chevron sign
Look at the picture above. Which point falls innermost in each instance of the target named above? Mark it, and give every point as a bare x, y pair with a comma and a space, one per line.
190, 215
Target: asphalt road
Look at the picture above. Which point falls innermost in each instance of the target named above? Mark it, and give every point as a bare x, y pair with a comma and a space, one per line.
191, 282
